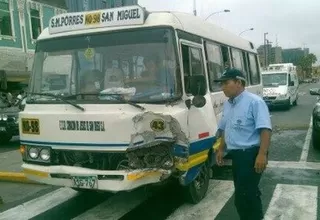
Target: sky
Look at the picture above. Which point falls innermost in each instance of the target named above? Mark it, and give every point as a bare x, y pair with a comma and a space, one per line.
289, 23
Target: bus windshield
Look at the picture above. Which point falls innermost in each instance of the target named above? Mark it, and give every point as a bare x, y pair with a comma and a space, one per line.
138, 64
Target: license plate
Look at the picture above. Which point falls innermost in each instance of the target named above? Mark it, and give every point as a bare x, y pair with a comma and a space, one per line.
92, 18
87, 182
3, 129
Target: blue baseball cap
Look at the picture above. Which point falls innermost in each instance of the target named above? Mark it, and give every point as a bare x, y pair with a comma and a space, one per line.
231, 74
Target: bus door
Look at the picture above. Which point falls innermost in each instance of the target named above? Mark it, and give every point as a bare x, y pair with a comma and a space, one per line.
201, 120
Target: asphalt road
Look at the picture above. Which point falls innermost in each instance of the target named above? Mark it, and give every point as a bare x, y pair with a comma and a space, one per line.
288, 185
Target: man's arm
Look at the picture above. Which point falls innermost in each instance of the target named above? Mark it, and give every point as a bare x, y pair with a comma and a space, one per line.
221, 128
263, 125
222, 142
265, 137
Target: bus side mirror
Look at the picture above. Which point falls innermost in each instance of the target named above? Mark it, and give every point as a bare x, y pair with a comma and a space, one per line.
198, 88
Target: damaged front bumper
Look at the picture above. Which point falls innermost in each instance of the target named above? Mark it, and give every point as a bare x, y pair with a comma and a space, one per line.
78, 177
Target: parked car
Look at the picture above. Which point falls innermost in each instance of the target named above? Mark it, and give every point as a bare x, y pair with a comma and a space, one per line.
316, 120
9, 125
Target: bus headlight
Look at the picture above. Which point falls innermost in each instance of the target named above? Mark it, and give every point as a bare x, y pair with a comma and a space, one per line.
45, 154
34, 153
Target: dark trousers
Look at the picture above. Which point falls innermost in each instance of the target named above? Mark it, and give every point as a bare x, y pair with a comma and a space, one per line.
246, 183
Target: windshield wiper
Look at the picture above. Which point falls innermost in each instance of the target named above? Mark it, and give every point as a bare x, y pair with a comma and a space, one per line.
60, 98
116, 96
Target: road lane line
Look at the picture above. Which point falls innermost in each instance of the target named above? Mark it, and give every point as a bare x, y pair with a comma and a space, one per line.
39, 205
306, 146
218, 195
293, 202
115, 207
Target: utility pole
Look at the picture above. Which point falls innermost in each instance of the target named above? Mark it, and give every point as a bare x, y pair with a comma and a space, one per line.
269, 51
265, 48
194, 8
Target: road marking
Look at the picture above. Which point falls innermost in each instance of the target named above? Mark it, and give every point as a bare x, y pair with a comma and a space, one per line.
302, 93
39, 205
293, 202
306, 146
288, 165
218, 195
115, 207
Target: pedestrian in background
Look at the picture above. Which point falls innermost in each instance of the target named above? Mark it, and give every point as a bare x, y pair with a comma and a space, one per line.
246, 132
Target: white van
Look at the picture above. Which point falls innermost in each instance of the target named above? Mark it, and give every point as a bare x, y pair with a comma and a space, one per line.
280, 85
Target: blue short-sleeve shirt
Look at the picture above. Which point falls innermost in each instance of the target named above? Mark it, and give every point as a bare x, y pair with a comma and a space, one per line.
242, 119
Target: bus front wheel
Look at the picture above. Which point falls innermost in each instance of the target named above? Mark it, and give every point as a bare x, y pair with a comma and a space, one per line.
197, 189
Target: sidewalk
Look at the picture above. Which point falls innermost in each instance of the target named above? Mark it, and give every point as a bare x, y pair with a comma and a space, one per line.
10, 167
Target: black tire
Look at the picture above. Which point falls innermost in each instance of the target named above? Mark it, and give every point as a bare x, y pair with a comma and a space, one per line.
295, 103
315, 141
197, 189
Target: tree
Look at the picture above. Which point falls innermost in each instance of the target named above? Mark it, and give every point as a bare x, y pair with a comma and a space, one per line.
306, 62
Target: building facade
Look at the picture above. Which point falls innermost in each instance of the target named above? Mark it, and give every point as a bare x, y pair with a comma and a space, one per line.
264, 52
274, 55
293, 55
21, 22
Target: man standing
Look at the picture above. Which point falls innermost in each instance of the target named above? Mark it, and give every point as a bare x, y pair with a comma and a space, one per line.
246, 131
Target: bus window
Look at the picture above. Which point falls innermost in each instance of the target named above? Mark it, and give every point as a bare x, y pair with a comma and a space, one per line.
254, 71
246, 66
225, 57
215, 65
237, 59
57, 72
192, 64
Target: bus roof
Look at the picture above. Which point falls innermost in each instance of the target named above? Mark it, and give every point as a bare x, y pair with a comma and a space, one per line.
70, 24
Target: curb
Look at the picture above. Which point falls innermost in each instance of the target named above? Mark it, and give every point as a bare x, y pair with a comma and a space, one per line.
15, 177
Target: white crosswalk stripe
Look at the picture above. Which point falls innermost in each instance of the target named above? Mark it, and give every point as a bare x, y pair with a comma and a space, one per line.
218, 195
293, 202
288, 202
39, 205
115, 207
